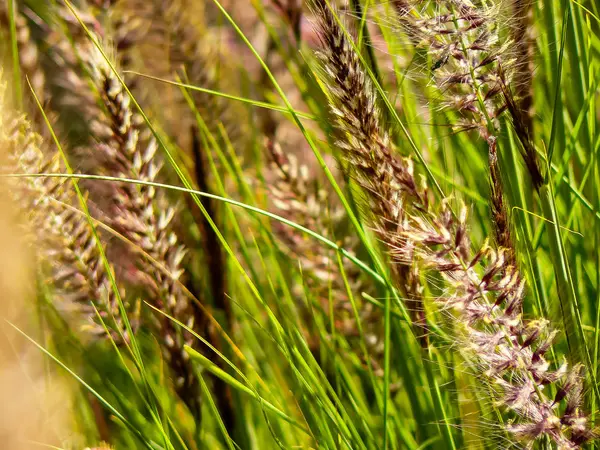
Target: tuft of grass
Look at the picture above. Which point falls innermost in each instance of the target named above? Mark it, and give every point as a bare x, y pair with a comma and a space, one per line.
337, 224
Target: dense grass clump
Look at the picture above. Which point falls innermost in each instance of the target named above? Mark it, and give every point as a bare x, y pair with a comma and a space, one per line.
284, 224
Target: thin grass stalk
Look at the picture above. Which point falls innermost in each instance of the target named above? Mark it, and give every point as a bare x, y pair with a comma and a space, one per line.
218, 283
367, 44
216, 258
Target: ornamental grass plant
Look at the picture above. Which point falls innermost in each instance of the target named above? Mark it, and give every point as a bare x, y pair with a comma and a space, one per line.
261, 224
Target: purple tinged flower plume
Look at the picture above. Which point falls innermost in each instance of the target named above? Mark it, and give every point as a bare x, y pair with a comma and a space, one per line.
483, 289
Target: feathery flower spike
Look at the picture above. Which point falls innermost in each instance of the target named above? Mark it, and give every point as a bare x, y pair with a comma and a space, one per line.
388, 182
483, 289
63, 238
